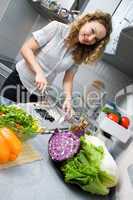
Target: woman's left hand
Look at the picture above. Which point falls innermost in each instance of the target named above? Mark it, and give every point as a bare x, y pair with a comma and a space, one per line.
67, 106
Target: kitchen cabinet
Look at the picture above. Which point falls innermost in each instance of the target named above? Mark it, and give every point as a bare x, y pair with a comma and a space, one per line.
16, 21
105, 5
121, 57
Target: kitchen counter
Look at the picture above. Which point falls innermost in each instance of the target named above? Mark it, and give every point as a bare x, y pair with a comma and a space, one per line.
40, 180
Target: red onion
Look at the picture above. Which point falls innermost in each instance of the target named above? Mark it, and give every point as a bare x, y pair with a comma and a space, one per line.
63, 145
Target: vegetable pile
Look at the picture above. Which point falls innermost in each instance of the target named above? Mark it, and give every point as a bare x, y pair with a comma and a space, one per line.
114, 115
90, 166
15, 118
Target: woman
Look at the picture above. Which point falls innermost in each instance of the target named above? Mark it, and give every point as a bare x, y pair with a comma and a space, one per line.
59, 48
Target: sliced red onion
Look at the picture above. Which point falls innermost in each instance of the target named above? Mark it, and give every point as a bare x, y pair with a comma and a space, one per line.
63, 145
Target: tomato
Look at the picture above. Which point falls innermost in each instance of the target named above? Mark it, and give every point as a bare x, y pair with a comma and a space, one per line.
125, 121
113, 117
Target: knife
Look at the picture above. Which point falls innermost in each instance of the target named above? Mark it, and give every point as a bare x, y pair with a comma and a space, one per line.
51, 131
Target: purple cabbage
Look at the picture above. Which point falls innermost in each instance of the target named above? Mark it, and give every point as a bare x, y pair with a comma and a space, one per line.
63, 145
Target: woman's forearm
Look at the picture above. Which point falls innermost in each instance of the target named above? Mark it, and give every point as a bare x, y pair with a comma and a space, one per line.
68, 85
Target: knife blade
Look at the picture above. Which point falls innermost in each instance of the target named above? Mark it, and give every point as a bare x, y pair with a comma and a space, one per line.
51, 131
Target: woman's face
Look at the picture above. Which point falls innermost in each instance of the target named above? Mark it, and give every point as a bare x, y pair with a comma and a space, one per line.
91, 32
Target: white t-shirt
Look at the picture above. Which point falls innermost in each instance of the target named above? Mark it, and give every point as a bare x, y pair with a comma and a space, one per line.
53, 56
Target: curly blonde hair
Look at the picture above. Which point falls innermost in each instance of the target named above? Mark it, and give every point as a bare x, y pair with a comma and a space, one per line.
83, 53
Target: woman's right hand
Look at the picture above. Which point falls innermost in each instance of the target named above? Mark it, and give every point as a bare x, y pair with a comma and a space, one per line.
41, 81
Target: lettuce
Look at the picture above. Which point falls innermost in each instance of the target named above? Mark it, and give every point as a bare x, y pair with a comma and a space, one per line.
89, 168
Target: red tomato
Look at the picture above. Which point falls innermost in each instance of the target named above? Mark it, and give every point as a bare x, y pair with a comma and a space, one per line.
125, 121
113, 117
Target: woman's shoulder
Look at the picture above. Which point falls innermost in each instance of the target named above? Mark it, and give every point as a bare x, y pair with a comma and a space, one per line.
59, 24
62, 28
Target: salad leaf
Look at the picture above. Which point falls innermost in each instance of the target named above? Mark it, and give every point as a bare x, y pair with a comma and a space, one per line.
85, 169
19, 121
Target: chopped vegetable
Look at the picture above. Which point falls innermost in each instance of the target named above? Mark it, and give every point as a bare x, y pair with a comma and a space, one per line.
93, 168
10, 145
63, 145
44, 114
15, 118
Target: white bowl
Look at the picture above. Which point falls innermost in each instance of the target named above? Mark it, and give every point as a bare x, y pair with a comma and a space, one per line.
113, 128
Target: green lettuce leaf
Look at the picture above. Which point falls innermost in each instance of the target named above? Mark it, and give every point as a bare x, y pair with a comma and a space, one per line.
84, 169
